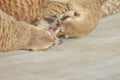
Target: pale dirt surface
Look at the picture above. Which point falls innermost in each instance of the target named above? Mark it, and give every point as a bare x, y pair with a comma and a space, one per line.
93, 57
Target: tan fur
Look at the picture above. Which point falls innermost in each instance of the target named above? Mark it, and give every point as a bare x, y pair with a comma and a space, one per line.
20, 35
90, 14
108, 6
52, 8
16, 33
76, 26
28, 10
25, 10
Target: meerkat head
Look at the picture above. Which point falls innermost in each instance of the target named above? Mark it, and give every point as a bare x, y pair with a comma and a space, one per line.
69, 22
65, 22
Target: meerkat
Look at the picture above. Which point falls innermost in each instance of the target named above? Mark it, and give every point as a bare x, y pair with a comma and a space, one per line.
16, 30
78, 20
16, 16
52, 8
16, 35
83, 16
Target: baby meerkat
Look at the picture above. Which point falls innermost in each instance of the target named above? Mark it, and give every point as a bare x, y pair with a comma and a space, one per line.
84, 15
81, 18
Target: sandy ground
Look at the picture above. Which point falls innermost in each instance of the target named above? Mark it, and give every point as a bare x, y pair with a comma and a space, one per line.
93, 57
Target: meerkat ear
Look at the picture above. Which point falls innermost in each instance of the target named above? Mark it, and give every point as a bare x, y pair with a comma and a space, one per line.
76, 14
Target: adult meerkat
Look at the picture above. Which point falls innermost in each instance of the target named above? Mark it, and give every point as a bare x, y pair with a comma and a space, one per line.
16, 32
16, 35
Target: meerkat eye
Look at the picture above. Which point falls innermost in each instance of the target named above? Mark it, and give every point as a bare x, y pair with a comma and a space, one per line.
49, 20
64, 17
76, 14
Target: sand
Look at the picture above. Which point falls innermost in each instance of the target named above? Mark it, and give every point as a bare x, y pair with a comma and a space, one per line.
92, 57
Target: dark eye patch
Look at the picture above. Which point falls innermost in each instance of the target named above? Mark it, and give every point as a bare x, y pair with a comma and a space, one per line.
54, 16
76, 14
64, 17
49, 20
